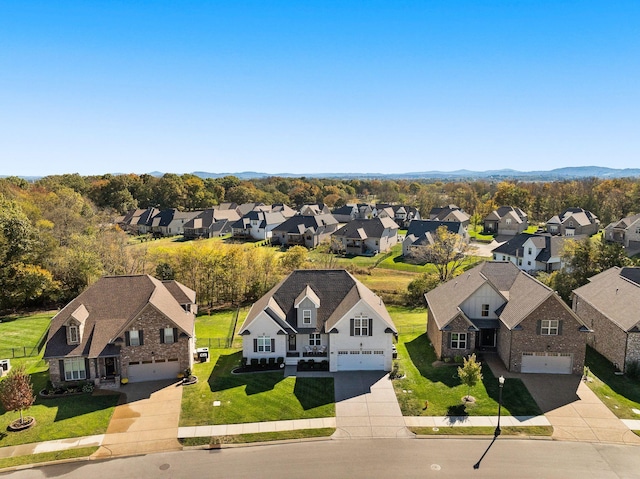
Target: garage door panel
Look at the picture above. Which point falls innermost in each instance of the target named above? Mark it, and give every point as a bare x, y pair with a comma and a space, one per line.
547, 363
361, 360
153, 371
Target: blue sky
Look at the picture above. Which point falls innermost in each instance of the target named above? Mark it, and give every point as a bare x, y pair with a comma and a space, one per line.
317, 86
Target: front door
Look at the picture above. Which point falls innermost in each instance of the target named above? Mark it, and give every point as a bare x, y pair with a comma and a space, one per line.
110, 367
292, 342
488, 338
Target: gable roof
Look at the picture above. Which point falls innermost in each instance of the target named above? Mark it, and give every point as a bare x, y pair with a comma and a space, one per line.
337, 291
373, 228
420, 227
615, 293
522, 293
112, 303
513, 246
264, 219
319, 223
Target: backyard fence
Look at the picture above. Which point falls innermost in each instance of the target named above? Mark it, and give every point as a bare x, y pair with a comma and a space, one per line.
19, 352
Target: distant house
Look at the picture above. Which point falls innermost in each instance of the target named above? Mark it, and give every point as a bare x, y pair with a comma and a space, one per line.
133, 327
422, 232
533, 252
307, 231
137, 221
449, 213
257, 225
609, 304
314, 209
362, 237
625, 232
170, 222
401, 214
211, 223
320, 315
497, 307
506, 220
350, 212
572, 222
285, 210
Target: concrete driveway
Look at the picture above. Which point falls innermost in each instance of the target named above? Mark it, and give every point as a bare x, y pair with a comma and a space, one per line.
366, 406
574, 411
146, 422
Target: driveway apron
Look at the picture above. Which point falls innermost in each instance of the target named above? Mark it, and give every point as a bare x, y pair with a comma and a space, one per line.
366, 406
146, 423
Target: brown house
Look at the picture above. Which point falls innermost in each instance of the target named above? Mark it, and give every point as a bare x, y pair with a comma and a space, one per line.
497, 307
609, 305
132, 327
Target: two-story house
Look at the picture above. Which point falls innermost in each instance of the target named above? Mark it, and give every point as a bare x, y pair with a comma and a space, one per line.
572, 222
506, 220
363, 237
534, 252
625, 231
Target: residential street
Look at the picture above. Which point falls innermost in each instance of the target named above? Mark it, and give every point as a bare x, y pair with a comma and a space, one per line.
368, 458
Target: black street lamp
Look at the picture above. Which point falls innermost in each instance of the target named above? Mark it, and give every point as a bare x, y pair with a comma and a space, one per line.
497, 432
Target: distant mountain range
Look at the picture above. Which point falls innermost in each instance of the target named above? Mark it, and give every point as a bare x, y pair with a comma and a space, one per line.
568, 173
572, 172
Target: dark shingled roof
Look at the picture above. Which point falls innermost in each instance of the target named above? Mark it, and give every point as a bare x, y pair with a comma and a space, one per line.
512, 246
337, 290
111, 303
420, 227
373, 228
299, 224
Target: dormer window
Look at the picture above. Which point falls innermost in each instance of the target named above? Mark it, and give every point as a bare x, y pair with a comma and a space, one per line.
74, 335
306, 316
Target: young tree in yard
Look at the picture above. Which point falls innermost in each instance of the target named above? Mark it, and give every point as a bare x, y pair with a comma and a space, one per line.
294, 258
446, 252
16, 392
419, 286
470, 373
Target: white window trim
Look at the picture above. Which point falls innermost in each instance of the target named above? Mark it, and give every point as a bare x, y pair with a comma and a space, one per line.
264, 344
168, 335
549, 327
485, 311
134, 338
361, 326
74, 334
306, 319
315, 339
460, 341
74, 369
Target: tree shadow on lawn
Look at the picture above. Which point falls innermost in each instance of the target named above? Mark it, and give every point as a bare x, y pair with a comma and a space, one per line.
423, 356
516, 399
255, 383
314, 392
605, 371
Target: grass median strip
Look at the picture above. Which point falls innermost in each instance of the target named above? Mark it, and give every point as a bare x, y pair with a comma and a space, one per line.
258, 437
46, 457
483, 430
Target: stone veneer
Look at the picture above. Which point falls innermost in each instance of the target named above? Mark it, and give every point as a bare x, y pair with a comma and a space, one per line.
440, 339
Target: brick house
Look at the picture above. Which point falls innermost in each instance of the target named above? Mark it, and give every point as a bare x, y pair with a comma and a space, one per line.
497, 307
133, 327
367, 237
609, 304
506, 220
572, 222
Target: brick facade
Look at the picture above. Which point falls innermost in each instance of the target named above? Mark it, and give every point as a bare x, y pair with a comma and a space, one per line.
607, 338
441, 339
515, 342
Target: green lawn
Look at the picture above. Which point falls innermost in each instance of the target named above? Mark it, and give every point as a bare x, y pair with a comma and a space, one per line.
23, 333
441, 386
408, 320
59, 418
259, 437
618, 393
488, 431
47, 457
251, 397
476, 232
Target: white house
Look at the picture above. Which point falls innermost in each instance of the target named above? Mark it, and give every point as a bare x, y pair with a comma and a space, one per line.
323, 315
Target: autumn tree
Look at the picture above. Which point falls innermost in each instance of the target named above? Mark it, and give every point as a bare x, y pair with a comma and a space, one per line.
470, 374
446, 252
16, 391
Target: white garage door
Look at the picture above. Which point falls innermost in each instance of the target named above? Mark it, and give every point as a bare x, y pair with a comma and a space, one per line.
550, 363
152, 371
355, 360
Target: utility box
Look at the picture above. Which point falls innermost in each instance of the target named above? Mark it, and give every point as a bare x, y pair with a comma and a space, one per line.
202, 354
5, 366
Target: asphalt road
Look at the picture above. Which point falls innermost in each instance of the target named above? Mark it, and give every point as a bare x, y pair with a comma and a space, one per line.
368, 458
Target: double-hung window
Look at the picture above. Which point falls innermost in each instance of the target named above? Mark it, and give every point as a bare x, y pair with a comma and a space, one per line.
264, 344
485, 310
361, 326
314, 339
306, 316
73, 335
549, 327
168, 336
458, 340
74, 369
134, 338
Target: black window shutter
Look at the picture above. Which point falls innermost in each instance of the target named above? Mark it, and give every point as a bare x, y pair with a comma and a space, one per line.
61, 362
273, 345
255, 345
352, 327
175, 335
538, 327
87, 371
560, 326
161, 335
140, 336
370, 326
127, 341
